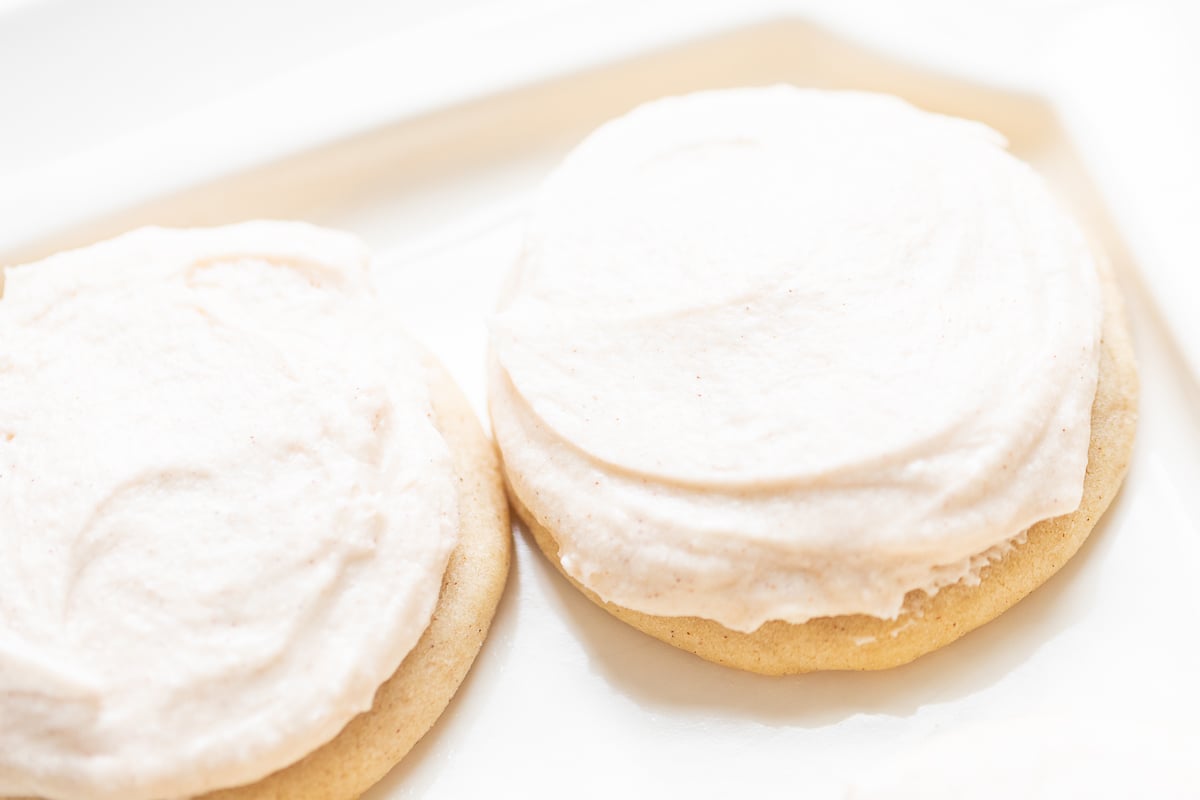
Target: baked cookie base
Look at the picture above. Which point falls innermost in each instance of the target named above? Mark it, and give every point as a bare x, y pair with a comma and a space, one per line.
860, 642
408, 703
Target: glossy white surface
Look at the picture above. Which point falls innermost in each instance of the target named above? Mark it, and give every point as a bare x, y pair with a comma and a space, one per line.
564, 698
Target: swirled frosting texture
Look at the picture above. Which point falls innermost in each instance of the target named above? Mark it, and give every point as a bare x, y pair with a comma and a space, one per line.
224, 511
781, 354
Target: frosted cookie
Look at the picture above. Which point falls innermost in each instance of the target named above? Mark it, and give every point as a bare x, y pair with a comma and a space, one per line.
251, 537
804, 380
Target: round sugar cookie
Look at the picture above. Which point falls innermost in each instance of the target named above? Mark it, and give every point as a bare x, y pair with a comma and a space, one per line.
405, 705
799, 380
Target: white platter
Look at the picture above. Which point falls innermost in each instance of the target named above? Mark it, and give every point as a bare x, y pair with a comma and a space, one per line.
565, 700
